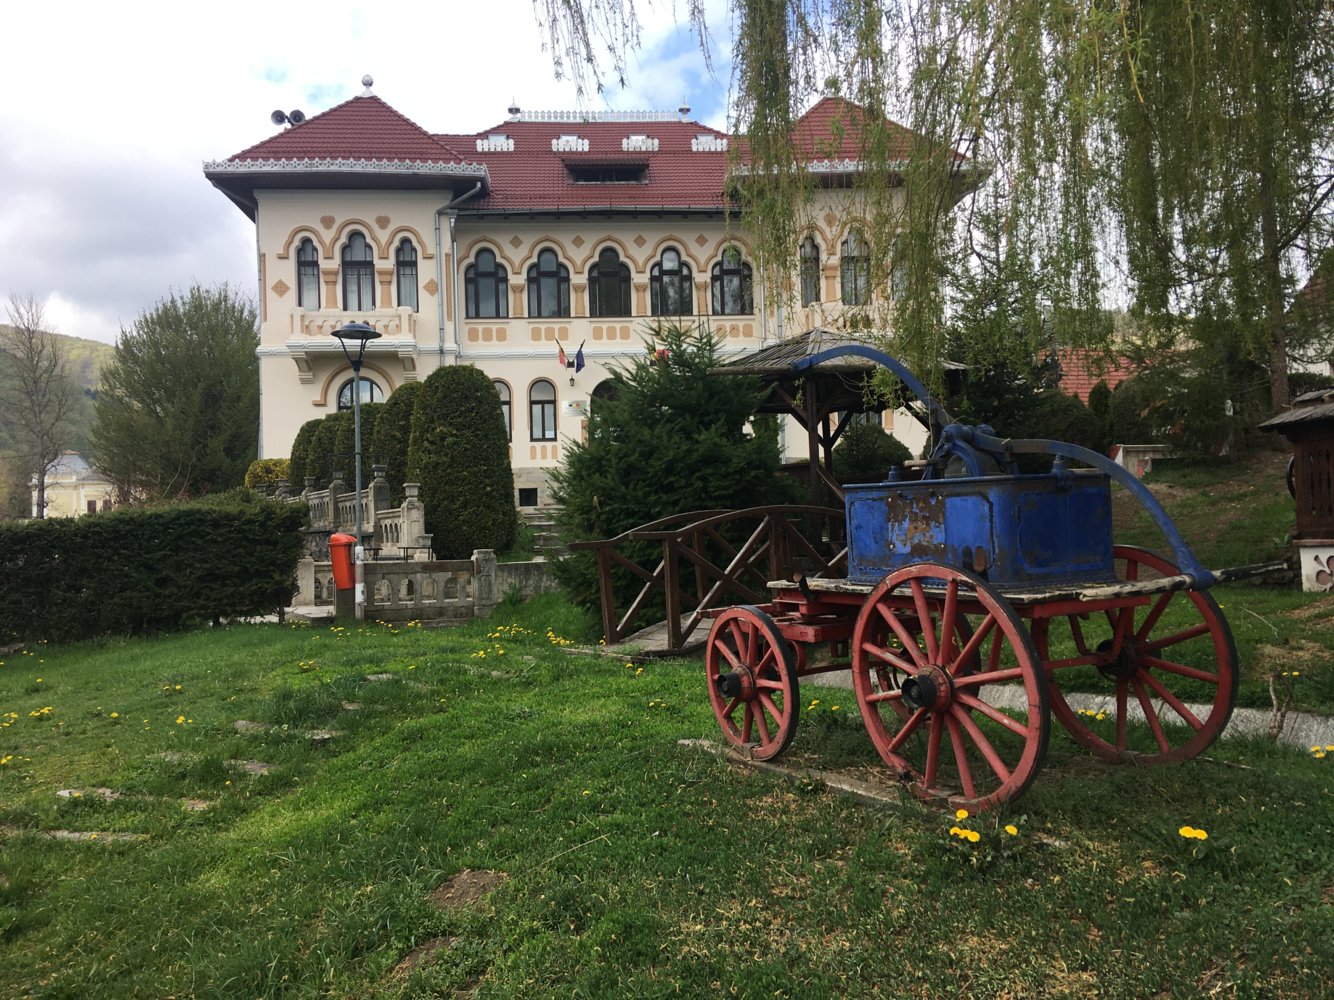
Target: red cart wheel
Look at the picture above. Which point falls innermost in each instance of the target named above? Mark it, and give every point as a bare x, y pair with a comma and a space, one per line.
958, 709
1171, 664
751, 672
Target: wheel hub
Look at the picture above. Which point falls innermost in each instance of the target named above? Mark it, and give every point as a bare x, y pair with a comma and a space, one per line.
736, 684
1120, 666
930, 689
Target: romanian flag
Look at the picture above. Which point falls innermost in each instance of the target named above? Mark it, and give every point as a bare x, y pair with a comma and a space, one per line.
561, 354
579, 359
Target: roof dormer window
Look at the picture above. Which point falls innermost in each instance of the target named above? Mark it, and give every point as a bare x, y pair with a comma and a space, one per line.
607, 173
568, 143
496, 142
639, 143
704, 143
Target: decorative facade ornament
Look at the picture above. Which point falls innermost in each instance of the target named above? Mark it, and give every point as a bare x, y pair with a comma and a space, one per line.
382, 221
327, 221
431, 287
280, 288
709, 144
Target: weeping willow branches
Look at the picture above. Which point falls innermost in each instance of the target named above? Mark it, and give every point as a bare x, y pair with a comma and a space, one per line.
1054, 157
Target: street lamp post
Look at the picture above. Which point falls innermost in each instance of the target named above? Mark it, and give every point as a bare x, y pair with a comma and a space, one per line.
360, 334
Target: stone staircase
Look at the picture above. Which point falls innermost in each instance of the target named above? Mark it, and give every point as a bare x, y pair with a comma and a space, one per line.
542, 522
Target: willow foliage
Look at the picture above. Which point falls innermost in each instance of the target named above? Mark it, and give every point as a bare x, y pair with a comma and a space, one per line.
1059, 158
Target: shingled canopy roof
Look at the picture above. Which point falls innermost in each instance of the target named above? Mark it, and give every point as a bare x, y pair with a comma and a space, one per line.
820, 396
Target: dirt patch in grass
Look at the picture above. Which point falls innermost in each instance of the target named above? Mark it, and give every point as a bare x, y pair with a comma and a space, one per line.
1320, 608
1296, 653
466, 889
427, 953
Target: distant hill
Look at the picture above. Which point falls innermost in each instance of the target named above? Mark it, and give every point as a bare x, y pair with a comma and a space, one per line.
86, 360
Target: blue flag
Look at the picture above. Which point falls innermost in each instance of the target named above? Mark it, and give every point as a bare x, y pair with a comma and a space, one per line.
579, 358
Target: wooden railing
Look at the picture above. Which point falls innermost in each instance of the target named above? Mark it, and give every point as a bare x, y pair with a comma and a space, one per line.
715, 558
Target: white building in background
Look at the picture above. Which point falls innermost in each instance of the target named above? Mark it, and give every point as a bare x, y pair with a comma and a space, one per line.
73, 488
552, 233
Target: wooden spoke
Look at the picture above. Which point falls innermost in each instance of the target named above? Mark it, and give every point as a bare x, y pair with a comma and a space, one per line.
1130, 653
935, 730
751, 674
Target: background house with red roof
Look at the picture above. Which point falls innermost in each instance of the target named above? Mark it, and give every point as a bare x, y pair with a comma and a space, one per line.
550, 232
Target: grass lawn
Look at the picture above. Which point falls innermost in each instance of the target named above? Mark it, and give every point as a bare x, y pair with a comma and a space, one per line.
625, 864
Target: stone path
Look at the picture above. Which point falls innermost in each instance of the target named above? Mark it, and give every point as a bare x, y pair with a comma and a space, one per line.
1300, 729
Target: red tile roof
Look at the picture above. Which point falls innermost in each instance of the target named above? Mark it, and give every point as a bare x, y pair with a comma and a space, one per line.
534, 177
681, 173
364, 128
833, 130
1082, 369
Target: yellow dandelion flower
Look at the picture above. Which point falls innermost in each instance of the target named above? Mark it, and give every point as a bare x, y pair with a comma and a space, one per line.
833, 708
1011, 829
180, 720
115, 715
955, 831
1187, 831
973, 836
1329, 747
961, 814
1201, 835
1319, 755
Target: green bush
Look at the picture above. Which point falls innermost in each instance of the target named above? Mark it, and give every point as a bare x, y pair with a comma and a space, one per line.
268, 472
393, 431
459, 452
865, 453
345, 442
668, 438
322, 459
148, 569
299, 469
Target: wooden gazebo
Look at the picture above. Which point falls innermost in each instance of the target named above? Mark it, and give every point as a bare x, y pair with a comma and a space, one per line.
1309, 425
821, 397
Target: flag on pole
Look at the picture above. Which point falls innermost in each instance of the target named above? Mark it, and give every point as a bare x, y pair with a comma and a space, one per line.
579, 358
560, 353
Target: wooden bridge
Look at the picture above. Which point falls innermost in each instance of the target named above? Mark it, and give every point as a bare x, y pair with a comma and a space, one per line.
690, 563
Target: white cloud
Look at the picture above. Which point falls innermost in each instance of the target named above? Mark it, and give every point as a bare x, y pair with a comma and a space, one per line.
110, 111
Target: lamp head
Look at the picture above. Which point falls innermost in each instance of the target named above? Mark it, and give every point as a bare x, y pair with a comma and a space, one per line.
359, 334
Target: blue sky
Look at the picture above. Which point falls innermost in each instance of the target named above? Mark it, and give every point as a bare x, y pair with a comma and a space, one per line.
111, 109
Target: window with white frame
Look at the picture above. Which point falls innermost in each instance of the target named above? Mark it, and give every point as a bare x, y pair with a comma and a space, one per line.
358, 274
542, 411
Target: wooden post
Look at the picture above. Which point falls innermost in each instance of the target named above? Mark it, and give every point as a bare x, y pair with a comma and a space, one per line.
604, 589
672, 587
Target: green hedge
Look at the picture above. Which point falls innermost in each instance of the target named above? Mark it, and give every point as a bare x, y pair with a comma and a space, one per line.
148, 569
459, 452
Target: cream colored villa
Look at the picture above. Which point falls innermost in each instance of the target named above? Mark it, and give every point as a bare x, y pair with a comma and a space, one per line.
73, 488
552, 234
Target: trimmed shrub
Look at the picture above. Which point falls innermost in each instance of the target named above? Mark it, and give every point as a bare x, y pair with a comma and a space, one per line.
148, 569
267, 472
321, 458
393, 431
345, 442
459, 452
865, 453
300, 446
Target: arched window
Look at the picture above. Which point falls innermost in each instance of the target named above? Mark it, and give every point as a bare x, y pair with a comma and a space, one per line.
307, 275
548, 286
405, 274
370, 393
542, 411
810, 271
358, 274
506, 407
855, 269
671, 288
609, 285
733, 289
486, 287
